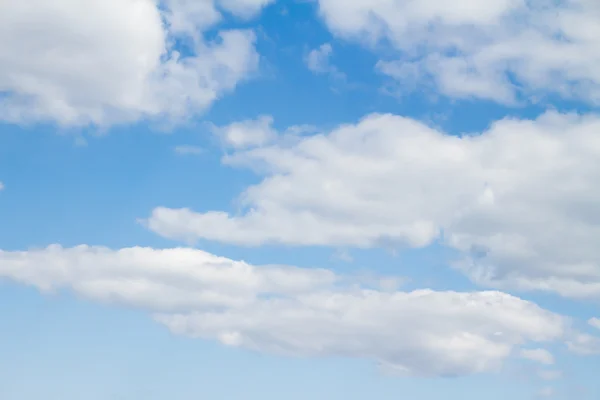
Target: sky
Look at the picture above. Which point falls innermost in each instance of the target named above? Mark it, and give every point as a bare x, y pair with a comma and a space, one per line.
310, 199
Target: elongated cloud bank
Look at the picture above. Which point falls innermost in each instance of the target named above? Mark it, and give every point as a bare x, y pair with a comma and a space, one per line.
296, 311
519, 201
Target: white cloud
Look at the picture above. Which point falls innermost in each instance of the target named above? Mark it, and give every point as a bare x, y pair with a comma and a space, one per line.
318, 61
295, 311
112, 61
439, 342
190, 17
248, 133
1, 186
595, 322
244, 8
158, 280
584, 344
452, 76
519, 201
487, 49
541, 356
187, 149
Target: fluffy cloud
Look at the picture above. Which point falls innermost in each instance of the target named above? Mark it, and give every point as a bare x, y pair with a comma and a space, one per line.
193, 16
248, 133
158, 280
493, 49
111, 61
294, 311
190, 17
519, 201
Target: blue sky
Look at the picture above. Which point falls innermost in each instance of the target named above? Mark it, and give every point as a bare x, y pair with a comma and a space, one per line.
259, 199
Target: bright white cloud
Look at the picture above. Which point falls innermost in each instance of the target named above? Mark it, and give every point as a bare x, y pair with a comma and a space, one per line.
519, 201
449, 333
248, 133
541, 356
295, 311
158, 280
112, 61
487, 49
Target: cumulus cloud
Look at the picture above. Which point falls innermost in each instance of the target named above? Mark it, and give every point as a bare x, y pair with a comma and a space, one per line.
193, 16
103, 62
158, 280
295, 311
518, 201
190, 17
248, 133
496, 49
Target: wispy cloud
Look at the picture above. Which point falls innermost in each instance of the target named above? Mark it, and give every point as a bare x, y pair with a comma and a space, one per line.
319, 61
187, 149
